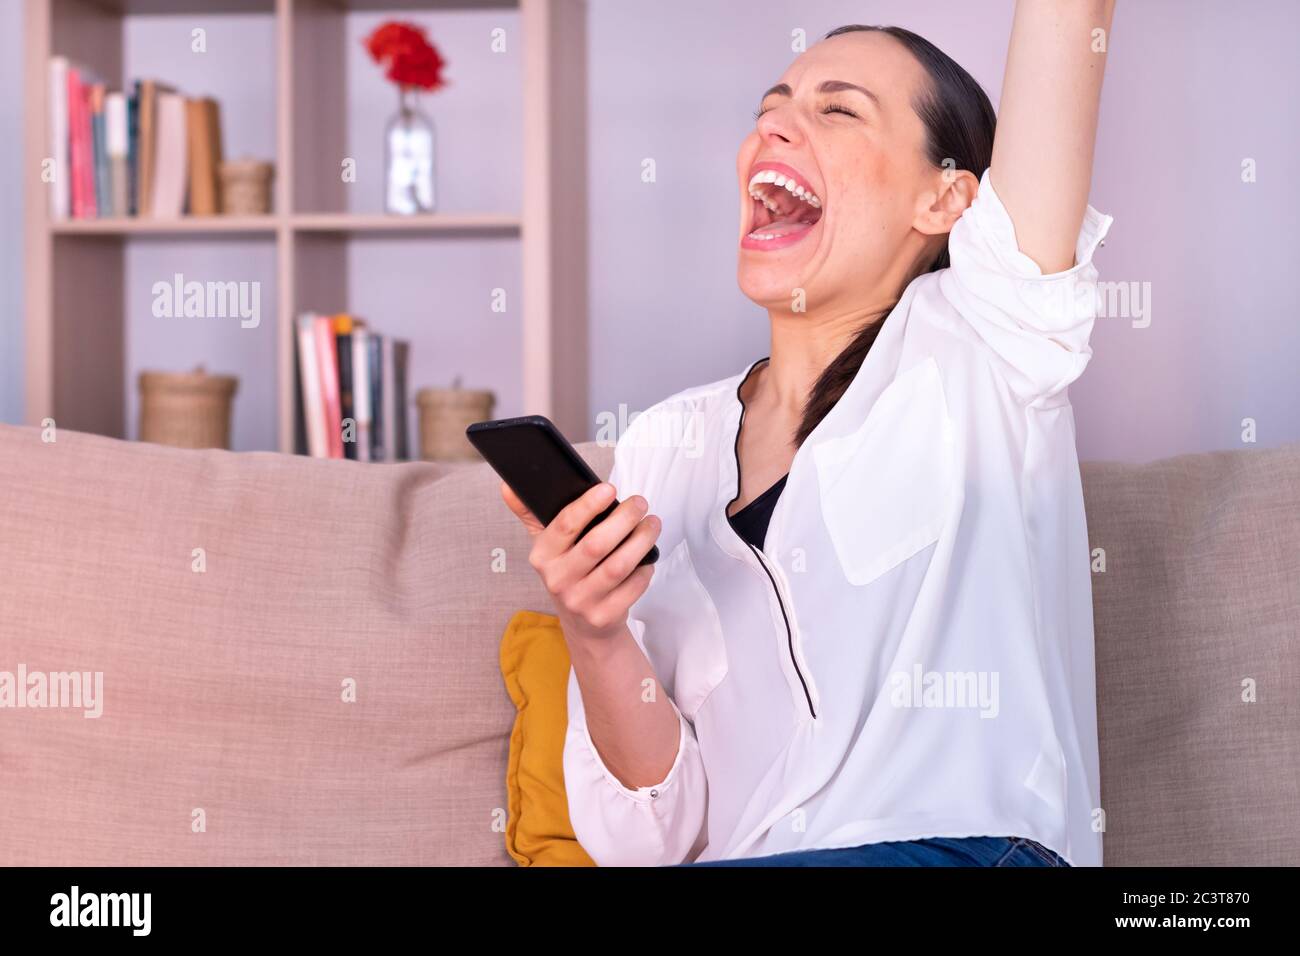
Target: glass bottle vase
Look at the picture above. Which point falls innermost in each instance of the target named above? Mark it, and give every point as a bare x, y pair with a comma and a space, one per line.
408, 160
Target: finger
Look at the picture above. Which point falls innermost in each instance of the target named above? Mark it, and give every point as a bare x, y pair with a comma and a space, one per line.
619, 565
520, 509
576, 515
598, 543
620, 600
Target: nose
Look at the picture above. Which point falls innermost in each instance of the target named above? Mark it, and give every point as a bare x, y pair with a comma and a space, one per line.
778, 125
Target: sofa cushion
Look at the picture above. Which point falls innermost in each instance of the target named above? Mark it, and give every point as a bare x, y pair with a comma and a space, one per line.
535, 667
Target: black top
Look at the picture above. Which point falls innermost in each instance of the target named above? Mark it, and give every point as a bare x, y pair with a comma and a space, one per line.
751, 521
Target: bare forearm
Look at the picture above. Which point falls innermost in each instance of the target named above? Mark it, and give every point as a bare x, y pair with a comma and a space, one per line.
630, 719
1047, 122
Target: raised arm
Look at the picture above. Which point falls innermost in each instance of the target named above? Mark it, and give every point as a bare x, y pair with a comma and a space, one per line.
1047, 123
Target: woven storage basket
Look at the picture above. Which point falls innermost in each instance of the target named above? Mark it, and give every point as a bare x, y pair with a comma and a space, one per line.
186, 409
445, 413
246, 187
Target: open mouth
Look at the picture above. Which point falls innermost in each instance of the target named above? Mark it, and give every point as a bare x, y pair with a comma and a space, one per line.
784, 207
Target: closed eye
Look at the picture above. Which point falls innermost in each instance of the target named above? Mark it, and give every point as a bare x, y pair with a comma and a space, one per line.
830, 108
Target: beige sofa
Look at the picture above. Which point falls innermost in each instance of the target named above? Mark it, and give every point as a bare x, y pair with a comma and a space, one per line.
231, 601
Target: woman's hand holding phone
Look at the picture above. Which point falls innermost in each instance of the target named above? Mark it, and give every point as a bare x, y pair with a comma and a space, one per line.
594, 580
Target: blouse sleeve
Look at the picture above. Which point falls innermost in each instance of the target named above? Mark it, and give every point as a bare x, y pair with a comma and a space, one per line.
621, 826
617, 825
1037, 325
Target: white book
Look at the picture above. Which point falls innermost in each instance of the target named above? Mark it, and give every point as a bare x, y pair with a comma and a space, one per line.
60, 188
115, 146
361, 391
171, 158
313, 404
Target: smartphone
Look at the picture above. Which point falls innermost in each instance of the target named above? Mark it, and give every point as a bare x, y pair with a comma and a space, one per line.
540, 466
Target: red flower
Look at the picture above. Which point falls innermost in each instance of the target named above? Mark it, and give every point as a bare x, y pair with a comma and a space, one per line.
410, 59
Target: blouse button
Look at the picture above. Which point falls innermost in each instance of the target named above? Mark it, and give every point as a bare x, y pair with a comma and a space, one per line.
654, 794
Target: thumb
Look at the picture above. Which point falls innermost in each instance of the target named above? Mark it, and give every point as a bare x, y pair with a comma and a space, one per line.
520, 509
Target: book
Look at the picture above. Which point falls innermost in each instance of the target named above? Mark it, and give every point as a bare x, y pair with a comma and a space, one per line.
204, 141
115, 146
313, 402
76, 205
86, 147
361, 388
60, 191
99, 150
170, 164
327, 363
387, 402
133, 150
83, 204
309, 377
146, 153
300, 446
375, 354
393, 376
343, 349
401, 351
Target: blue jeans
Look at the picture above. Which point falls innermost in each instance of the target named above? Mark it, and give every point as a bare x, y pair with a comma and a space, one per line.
936, 851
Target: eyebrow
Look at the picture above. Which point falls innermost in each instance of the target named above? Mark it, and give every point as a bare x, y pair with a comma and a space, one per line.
829, 86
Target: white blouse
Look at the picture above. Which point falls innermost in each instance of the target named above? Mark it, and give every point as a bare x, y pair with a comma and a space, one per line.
910, 654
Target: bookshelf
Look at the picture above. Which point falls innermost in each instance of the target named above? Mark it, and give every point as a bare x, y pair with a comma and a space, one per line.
316, 247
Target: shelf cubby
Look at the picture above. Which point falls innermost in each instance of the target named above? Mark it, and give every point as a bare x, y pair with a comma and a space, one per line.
303, 89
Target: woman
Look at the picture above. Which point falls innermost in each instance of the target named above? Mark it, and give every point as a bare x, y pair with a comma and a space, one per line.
869, 638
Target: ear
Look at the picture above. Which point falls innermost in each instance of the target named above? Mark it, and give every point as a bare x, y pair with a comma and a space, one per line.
939, 208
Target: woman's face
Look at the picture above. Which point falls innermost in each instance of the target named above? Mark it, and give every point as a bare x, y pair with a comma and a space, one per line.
841, 132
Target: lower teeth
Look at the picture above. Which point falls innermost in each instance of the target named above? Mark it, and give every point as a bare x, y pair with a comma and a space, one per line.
772, 235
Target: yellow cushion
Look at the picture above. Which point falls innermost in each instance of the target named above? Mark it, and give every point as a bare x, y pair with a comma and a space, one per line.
535, 665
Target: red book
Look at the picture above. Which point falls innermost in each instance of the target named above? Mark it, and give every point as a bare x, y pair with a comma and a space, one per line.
327, 359
73, 171
81, 143
86, 129
88, 150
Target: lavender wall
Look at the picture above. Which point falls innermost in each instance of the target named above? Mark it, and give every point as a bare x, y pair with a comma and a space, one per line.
1193, 87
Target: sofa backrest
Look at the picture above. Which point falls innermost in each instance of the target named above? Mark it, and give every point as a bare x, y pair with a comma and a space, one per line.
299, 657
224, 688
1197, 619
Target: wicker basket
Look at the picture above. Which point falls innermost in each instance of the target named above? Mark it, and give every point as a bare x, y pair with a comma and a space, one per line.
186, 409
246, 187
445, 413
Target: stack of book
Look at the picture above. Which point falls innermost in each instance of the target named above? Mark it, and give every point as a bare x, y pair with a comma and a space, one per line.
351, 395
147, 152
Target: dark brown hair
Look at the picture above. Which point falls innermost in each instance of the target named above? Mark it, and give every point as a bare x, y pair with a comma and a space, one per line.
959, 124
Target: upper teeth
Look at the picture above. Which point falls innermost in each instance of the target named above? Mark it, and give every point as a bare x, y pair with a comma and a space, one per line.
778, 179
